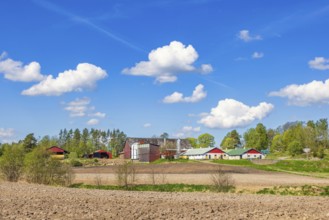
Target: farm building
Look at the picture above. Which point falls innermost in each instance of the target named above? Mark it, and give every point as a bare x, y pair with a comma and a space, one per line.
174, 146
101, 154
242, 153
57, 152
208, 153
148, 152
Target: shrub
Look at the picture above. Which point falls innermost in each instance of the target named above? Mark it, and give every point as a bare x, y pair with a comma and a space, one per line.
126, 174
75, 163
41, 168
222, 182
12, 162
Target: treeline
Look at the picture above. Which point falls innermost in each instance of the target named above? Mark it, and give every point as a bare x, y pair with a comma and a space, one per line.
292, 138
80, 142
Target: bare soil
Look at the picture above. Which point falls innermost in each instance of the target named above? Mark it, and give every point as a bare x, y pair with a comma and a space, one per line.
29, 201
197, 173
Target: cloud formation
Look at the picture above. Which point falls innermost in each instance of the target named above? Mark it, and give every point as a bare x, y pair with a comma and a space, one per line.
147, 125
187, 129
98, 114
81, 107
230, 113
6, 135
6, 132
166, 62
93, 121
257, 55
197, 95
78, 107
246, 37
315, 92
83, 77
17, 71
319, 63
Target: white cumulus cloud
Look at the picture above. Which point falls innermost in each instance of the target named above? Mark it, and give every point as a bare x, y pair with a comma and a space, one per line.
247, 37
186, 129
319, 63
197, 95
78, 107
230, 113
98, 114
6, 132
93, 121
315, 92
166, 62
147, 125
17, 71
257, 55
84, 76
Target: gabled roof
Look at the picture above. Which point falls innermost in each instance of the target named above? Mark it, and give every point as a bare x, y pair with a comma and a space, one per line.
239, 151
56, 149
198, 151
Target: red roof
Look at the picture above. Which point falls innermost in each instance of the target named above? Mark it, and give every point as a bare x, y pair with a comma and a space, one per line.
56, 149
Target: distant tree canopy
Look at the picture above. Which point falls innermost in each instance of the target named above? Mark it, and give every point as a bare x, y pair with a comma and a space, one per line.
80, 142
231, 140
206, 140
290, 138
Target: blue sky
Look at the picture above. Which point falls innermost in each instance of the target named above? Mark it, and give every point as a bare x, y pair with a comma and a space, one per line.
146, 67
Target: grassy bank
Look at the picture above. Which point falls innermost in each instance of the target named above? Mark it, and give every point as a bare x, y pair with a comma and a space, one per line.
155, 188
318, 168
305, 190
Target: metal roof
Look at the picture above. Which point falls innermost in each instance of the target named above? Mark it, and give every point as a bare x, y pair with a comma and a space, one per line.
198, 151
239, 151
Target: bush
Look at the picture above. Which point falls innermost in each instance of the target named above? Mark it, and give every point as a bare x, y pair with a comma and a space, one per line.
12, 162
75, 163
222, 182
126, 174
42, 169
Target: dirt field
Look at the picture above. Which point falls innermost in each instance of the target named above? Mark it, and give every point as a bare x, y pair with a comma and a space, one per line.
29, 201
197, 173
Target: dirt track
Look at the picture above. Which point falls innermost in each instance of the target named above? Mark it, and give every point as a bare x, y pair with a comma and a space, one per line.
197, 173
28, 201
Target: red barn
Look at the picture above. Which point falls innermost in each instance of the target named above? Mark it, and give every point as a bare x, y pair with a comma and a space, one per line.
57, 152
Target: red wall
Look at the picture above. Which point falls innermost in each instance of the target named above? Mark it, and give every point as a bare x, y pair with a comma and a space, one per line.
127, 151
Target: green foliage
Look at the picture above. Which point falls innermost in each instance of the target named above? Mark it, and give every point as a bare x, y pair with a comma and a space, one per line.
295, 166
164, 135
206, 140
117, 141
75, 163
193, 141
152, 187
11, 162
231, 140
29, 142
295, 148
126, 174
42, 169
305, 190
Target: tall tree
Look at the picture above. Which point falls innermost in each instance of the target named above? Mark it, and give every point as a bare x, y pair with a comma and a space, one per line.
206, 140
193, 142
231, 140
117, 141
29, 142
164, 135
256, 137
